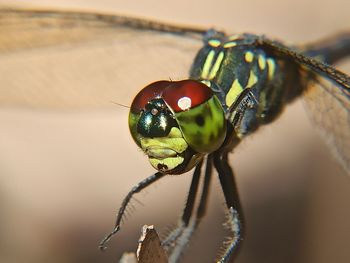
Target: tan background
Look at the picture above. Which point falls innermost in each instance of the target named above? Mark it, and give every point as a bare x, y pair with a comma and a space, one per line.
63, 174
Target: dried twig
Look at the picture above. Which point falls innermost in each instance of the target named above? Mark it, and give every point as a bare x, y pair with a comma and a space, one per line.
149, 249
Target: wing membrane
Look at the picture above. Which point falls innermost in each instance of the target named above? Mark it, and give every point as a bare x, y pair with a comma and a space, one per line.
314, 65
71, 59
329, 109
328, 98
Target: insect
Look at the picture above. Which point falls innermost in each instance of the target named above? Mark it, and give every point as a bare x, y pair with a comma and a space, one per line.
238, 83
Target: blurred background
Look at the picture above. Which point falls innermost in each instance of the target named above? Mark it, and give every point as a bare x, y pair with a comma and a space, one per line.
64, 172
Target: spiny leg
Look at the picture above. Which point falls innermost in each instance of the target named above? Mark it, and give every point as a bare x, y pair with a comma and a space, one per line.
136, 189
187, 212
186, 232
229, 188
203, 203
244, 106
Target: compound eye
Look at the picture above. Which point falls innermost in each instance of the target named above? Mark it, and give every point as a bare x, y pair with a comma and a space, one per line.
186, 94
151, 91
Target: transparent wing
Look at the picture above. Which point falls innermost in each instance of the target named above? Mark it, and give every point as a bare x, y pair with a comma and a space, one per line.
76, 60
328, 105
328, 98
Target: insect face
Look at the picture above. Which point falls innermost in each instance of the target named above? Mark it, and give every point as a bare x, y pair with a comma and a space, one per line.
176, 124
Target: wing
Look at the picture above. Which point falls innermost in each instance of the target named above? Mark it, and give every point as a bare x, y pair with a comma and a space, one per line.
64, 59
327, 99
329, 109
312, 64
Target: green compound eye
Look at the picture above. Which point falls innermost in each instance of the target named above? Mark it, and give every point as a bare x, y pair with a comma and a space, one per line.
199, 114
204, 126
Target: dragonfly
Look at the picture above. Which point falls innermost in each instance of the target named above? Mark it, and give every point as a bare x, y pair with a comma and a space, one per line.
236, 84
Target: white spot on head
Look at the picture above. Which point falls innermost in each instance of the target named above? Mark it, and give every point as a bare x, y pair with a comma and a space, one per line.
154, 111
184, 103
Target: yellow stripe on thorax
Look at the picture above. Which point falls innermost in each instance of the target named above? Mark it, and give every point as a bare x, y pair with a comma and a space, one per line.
249, 56
211, 68
230, 44
214, 42
252, 79
207, 64
262, 62
217, 65
233, 93
271, 67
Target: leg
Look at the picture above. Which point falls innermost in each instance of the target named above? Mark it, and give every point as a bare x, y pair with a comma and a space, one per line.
136, 189
187, 212
232, 201
203, 203
185, 231
242, 113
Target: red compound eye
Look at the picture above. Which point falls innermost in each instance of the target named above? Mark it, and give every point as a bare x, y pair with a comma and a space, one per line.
179, 95
186, 94
152, 91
